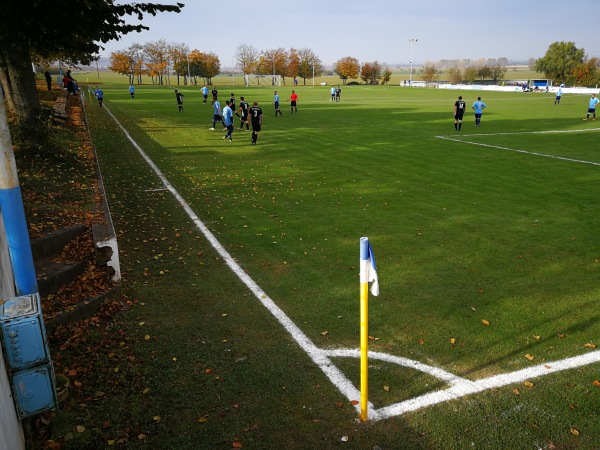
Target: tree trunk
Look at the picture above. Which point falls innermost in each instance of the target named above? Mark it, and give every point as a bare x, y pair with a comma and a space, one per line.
18, 82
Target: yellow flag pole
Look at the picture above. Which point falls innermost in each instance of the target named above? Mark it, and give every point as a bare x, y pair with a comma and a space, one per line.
368, 273
364, 351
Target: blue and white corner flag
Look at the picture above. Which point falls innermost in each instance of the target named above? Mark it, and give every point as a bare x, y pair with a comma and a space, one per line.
368, 269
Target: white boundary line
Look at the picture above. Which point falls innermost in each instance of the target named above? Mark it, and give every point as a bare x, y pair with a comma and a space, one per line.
544, 155
459, 387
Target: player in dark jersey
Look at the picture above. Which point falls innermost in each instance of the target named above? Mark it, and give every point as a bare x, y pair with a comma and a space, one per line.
459, 112
232, 104
214, 93
256, 119
243, 109
179, 96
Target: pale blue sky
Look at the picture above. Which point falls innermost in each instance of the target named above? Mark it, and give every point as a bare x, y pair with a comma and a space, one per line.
379, 29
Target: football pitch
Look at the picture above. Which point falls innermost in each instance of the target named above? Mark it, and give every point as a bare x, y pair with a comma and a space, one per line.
485, 239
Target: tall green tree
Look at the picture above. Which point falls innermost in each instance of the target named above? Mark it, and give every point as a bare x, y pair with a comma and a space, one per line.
560, 60
70, 30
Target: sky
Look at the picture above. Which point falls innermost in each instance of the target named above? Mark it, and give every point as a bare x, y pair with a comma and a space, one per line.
379, 31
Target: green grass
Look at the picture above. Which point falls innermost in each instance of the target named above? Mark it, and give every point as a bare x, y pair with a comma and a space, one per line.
461, 233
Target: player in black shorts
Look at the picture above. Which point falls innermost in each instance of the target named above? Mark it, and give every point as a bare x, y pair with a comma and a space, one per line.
459, 112
232, 104
243, 109
256, 118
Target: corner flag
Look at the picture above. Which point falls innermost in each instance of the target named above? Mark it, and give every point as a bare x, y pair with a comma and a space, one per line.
368, 269
368, 274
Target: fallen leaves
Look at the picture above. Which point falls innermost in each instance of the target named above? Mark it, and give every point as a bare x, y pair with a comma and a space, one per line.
485, 322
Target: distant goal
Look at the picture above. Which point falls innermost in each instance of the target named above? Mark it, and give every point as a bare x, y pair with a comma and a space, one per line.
262, 80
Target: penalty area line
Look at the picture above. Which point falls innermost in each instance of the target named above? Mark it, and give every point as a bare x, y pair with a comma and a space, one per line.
516, 150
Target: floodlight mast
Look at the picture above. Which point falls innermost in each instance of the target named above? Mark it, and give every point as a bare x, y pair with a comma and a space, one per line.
412, 43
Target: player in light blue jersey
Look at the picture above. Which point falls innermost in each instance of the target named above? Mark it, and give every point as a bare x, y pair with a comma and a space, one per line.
559, 94
204, 94
592, 108
216, 115
228, 118
276, 103
478, 106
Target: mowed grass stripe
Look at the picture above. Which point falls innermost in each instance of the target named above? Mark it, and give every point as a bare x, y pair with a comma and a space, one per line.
320, 178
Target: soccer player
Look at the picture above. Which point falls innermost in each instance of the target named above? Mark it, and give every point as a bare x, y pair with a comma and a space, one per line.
244, 109
100, 95
559, 94
216, 115
131, 91
459, 112
332, 90
232, 104
256, 118
214, 93
276, 103
228, 119
592, 108
179, 96
478, 106
294, 102
204, 93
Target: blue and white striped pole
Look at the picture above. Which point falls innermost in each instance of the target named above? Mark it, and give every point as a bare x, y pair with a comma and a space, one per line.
13, 213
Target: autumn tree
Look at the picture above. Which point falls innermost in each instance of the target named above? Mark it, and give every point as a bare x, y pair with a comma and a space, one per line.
585, 74
429, 72
454, 75
211, 67
293, 63
560, 60
136, 52
386, 75
178, 55
123, 64
484, 72
273, 62
370, 72
39, 29
497, 72
310, 64
157, 60
470, 74
347, 68
247, 57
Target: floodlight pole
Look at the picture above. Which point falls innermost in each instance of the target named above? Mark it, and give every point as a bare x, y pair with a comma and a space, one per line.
313, 64
412, 43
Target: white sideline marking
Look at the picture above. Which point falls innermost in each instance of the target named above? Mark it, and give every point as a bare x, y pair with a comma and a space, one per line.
463, 141
459, 387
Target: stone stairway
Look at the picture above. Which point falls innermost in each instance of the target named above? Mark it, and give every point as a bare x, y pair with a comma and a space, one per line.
52, 274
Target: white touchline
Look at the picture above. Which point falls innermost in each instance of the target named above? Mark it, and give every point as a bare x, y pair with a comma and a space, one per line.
463, 141
459, 387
